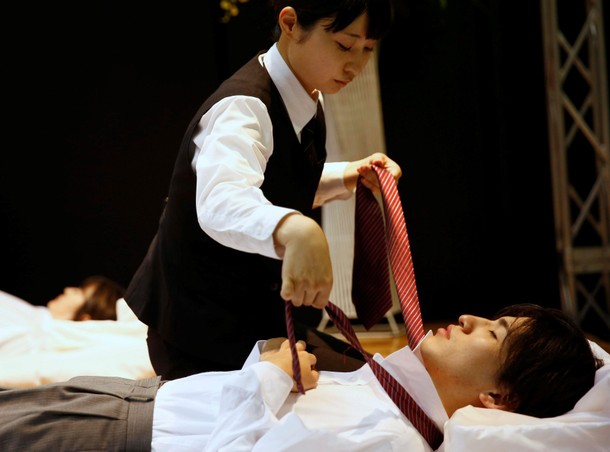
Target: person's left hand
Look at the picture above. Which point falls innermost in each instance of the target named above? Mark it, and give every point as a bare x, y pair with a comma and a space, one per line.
282, 358
363, 168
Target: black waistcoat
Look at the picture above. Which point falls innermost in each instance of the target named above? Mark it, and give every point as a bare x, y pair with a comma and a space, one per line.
203, 297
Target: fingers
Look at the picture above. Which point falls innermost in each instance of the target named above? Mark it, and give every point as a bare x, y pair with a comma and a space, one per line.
369, 179
307, 275
313, 291
382, 161
273, 344
288, 292
317, 298
301, 345
309, 374
282, 358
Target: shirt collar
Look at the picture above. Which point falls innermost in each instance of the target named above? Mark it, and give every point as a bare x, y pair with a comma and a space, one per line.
407, 367
300, 106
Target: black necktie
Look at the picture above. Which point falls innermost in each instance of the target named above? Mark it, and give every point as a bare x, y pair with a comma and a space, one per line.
313, 138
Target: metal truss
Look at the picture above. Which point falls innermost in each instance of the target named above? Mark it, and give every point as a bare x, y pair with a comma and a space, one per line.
578, 122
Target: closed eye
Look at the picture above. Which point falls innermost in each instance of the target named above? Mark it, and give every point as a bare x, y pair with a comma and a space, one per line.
493, 334
343, 48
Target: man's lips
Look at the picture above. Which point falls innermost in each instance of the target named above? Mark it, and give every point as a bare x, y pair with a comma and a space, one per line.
445, 331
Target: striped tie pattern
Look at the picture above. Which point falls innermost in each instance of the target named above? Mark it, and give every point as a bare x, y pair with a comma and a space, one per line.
371, 293
371, 276
296, 365
371, 282
395, 390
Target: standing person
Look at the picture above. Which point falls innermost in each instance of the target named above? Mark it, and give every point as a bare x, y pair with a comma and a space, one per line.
237, 240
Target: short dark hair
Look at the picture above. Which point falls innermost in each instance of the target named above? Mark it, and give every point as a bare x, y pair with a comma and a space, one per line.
343, 13
101, 304
548, 363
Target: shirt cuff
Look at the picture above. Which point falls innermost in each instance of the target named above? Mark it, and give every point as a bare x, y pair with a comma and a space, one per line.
274, 215
275, 384
332, 184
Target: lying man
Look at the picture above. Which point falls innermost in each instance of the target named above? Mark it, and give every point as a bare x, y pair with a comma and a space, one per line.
528, 359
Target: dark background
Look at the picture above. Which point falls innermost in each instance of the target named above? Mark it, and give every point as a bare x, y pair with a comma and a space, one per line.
98, 99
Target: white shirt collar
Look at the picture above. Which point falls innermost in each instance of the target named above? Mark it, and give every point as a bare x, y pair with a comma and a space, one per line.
407, 367
301, 107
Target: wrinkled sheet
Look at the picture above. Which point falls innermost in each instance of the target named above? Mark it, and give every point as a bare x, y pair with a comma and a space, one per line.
36, 349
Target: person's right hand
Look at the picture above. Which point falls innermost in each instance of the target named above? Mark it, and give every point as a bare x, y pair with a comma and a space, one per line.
282, 358
307, 275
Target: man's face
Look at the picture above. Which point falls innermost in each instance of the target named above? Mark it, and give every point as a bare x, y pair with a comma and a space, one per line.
466, 356
66, 304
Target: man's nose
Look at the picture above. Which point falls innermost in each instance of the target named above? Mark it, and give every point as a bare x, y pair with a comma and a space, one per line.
468, 322
463, 321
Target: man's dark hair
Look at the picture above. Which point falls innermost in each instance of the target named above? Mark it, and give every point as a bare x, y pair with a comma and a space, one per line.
547, 362
101, 304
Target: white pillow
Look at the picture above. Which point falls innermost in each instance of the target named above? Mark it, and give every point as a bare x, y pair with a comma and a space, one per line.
585, 428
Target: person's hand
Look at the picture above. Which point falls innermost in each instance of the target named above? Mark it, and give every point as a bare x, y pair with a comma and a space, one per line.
307, 275
369, 178
282, 358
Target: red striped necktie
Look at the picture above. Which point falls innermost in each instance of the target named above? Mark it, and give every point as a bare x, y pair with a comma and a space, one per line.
375, 298
399, 395
377, 242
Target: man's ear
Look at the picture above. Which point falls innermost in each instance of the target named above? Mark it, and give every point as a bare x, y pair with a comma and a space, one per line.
287, 20
495, 401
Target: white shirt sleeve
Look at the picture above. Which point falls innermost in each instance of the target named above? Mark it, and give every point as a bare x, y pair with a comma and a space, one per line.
248, 407
332, 186
233, 144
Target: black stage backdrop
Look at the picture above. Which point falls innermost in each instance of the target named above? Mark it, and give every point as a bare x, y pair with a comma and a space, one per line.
99, 97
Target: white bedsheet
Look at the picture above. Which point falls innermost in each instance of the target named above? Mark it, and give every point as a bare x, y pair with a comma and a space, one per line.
36, 349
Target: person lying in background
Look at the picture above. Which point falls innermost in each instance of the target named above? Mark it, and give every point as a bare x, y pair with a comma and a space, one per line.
528, 360
94, 299
20, 322
85, 330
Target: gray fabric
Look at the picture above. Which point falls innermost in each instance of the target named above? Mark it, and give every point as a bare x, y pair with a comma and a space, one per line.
82, 414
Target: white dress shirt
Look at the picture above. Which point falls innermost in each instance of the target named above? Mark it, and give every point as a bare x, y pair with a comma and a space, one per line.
254, 409
233, 142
